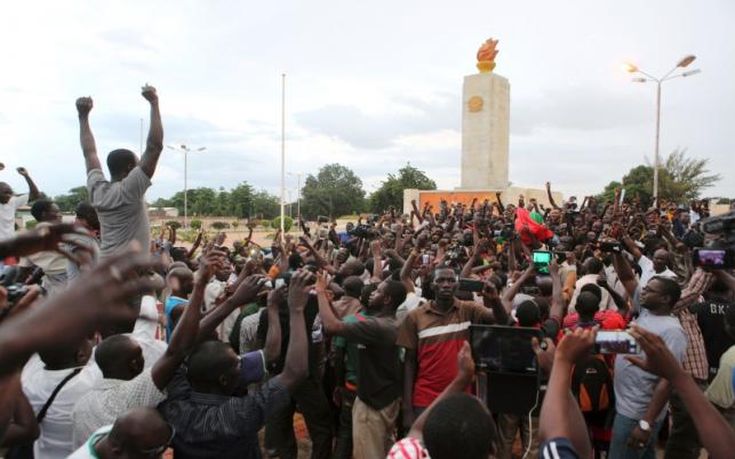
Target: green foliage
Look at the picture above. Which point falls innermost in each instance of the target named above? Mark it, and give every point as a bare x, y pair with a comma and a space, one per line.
241, 202
195, 224
287, 223
335, 190
680, 179
390, 193
724, 201
30, 224
173, 224
235, 224
220, 225
68, 202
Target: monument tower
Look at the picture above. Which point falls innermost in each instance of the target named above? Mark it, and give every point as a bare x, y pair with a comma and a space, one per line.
485, 139
485, 125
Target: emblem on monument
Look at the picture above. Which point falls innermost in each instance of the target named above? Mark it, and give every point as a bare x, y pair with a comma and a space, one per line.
486, 56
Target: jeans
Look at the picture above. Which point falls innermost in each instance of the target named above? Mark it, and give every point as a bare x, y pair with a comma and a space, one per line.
622, 428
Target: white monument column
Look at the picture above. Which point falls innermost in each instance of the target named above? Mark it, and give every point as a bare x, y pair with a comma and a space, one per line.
485, 132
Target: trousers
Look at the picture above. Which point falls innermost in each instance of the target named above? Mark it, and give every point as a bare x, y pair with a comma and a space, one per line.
373, 430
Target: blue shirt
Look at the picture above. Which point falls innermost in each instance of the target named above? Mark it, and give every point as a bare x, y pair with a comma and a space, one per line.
168, 308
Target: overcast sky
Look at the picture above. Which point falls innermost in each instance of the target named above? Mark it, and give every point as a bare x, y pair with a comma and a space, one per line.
371, 85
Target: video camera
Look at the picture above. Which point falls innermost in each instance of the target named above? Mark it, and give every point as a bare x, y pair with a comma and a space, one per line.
9, 280
363, 231
719, 251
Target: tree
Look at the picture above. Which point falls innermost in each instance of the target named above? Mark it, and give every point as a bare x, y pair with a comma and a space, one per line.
680, 179
68, 202
335, 190
287, 223
265, 205
390, 193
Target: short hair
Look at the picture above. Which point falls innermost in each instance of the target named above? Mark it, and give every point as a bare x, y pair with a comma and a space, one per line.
353, 286
670, 288
120, 160
593, 289
109, 352
396, 291
40, 207
587, 304
528, 314
86, 211
208, 361
459, 421
592, 265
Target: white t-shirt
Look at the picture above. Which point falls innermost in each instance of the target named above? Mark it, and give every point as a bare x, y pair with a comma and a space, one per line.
647, 271
7, 215
55, 440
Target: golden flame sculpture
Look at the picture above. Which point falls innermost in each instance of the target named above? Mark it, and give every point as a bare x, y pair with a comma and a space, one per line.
486, 56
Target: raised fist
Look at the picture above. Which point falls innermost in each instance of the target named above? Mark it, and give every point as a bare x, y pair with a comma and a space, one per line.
149, 93
84, 105
22, 171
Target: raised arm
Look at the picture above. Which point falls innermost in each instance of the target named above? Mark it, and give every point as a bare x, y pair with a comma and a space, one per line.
272, 348
295, 367
551, 198
33, 192
89, 148
557, 299
154, 144
625, 273
185, 333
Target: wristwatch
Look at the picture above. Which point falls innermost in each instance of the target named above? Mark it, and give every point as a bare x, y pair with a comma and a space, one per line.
644, 425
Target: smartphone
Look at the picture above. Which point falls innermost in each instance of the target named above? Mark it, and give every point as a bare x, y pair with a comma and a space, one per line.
541, 260
713, 258
425, 259
610, 246
470, 285
615, 342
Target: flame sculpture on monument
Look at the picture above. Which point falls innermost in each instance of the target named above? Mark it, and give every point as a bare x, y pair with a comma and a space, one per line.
486, 56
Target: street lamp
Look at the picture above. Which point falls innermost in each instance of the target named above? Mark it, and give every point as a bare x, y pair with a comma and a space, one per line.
647, 77
298, 193
184, 148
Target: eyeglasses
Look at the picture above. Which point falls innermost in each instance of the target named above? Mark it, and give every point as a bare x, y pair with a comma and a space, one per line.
158, 450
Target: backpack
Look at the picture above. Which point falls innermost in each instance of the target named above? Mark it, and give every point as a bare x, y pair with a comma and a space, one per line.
592, 385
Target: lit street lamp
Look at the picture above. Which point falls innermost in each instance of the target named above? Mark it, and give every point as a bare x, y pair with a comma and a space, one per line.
632, 68
186, 150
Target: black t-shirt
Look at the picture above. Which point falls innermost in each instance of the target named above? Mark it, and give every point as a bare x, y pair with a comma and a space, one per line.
314, 336
711, 320
379, 369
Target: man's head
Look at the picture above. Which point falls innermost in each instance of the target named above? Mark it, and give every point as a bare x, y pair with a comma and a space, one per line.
353, 286
6, 192
660, 295
214, 368
388, 296
119, 357
660, 260
44, 210
352, 268
86, 216
444, 284
459, 422
545, 285
594, 289
139, 434
528, 314
59, 358
592, 266
587, 306
181, 281
121, 162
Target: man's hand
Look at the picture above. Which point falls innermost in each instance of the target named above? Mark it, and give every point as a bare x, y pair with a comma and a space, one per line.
208, 265
376, 248
544, 353
84, 106
659, 359
22, 171
322, 282
248, 290
575, 345
554, 268
49, 238
298, 290
149, 94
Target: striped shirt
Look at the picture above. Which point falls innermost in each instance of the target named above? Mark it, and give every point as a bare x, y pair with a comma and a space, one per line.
695, 361
408, 448
437, 337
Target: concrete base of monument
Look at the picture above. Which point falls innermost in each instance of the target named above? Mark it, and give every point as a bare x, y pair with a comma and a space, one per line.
464, 196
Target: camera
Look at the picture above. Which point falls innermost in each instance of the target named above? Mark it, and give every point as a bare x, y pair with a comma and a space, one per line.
714, 258
363, 231
615, 342
9, 279
506, 232
610, 246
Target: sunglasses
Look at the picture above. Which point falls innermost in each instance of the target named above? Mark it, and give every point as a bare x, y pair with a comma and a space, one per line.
159, 450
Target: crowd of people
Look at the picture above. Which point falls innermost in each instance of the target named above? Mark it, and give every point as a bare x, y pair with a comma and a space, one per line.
118, 343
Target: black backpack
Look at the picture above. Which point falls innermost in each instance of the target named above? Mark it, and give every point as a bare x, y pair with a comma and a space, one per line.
592, 385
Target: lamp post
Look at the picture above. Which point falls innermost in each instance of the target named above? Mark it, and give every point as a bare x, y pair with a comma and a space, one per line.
298, 193
186, 149
647, 77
